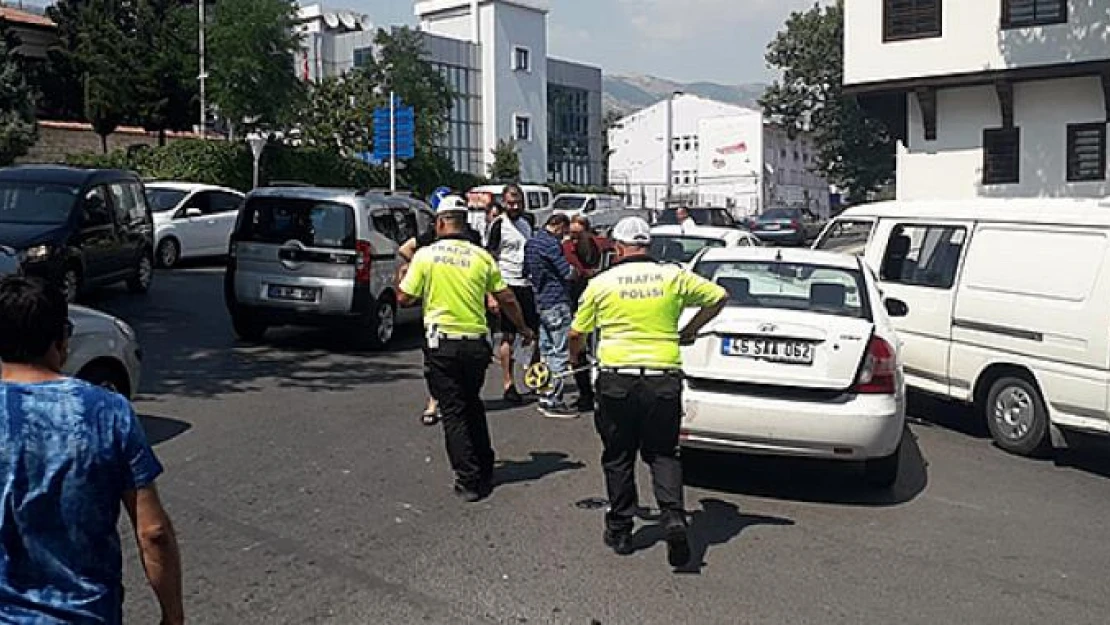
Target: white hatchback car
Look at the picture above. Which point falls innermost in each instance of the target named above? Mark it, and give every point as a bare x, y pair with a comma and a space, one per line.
191, 220
680, 244
103, 351
803, 361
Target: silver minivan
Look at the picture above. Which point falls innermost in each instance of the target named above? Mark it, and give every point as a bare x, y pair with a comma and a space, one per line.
318, 256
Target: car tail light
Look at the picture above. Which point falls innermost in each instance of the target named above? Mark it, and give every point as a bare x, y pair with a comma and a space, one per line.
877, 376
362, 262
795, 224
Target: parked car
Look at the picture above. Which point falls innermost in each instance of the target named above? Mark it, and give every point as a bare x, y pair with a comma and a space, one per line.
603, 222
191, 220
103, 351
571, 204
797, 366
787, 226
681, 245
317, 256
708, 216
79, 227
1008, 307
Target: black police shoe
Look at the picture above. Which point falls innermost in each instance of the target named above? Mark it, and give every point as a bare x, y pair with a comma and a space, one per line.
620, 541
678, 543
467, 494
585, 403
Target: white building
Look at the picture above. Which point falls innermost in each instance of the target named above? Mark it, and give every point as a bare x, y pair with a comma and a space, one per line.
994, 98
494, 56
723, 155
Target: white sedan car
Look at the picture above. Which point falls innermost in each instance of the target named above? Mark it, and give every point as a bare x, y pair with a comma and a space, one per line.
680, 244
104, 351
803, 361
191, 220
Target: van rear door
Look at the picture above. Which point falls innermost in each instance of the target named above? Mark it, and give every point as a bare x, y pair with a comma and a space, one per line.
918, 263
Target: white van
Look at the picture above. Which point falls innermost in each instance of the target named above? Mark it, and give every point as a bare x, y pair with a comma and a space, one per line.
571, 204
1009, 306
537, 199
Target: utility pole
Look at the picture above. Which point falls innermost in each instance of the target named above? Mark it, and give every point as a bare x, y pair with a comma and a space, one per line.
668, 139
203, 76
392, 143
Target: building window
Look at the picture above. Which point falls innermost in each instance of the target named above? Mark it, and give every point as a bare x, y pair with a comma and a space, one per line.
522, 59
1022, 13
911, 19
1001, 156
677, 145
523, 127
1086, 152
686, 143
363, 56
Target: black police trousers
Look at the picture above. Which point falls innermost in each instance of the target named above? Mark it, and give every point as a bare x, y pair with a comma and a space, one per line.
640, 414
456, 373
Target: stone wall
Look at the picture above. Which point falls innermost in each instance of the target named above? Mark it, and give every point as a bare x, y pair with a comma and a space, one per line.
57, 140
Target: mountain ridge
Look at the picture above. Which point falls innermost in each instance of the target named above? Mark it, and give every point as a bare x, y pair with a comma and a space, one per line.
628, 93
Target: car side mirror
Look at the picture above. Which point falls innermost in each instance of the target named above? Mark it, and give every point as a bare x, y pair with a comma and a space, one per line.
193, 212
896, 307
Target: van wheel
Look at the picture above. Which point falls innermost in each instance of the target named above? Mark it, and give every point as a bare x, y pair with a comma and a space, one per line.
107, 375
144, 275
1016, 416
169, 253
379, 325
71, 283
248, 328
883, 472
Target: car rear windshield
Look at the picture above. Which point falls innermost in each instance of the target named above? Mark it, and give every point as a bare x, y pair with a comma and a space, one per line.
162, 200
701, 216
313, 223
781, 213
790, 286
680, 249
36, 203
571, 202
846, 236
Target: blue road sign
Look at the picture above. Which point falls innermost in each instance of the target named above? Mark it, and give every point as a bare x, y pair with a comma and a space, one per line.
403, 131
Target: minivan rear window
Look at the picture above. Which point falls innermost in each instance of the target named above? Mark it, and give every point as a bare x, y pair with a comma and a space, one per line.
36, 203
313, 223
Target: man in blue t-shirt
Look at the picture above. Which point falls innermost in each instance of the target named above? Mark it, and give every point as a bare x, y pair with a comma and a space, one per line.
72, 454
550, 275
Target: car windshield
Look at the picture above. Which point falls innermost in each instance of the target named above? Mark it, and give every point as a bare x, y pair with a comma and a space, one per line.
313, 223
36, 203
789, 286
680, 249
846, 236
781, 213
162, 200
701, 216
569, 202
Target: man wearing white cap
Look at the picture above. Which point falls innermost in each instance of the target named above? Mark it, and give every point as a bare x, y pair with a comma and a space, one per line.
636, 305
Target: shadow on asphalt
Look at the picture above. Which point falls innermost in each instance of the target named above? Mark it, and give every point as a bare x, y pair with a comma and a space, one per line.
541, 464
716, 523
161, 429
930, 411
796, 479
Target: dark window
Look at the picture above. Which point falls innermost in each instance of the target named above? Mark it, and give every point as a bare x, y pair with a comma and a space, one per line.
923, 255
1086, 152
1001, 160
95, 209
220, 202
315, 224
911, 19
385, 222
1021, 13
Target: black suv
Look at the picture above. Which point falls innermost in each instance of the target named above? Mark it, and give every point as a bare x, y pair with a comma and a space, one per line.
79, 227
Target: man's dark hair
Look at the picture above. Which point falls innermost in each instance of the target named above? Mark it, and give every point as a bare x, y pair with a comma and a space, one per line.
33, 317
558, 219
455, 219
518, 191
581, 220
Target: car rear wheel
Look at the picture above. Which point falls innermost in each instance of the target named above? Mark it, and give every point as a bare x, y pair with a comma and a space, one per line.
248, 327
169, 253
1016, 416
883, 472
110, 376
379, 325
144, 275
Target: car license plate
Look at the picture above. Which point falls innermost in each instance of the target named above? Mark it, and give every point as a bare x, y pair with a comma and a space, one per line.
771, 350
293, 293
772, 226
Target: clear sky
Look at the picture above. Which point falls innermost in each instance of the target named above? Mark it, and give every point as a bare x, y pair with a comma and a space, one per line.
685, 40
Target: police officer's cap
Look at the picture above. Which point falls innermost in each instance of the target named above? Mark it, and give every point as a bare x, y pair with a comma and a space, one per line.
632, 231
451, 204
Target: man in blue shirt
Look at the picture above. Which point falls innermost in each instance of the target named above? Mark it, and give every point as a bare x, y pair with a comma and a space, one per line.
550, 274
72, 453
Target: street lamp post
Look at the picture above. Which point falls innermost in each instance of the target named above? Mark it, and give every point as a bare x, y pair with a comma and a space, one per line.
668, 139
203, 75
257, 143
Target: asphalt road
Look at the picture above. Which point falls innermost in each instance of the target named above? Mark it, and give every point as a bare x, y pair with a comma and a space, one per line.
304, 490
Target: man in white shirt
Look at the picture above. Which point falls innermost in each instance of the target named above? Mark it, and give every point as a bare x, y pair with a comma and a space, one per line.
507, 235
684, 218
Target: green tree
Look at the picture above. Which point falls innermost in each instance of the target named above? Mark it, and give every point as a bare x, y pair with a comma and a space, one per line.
251, 47
18, 130
339, 114
854, 152
106, 56
165, 80
506, 162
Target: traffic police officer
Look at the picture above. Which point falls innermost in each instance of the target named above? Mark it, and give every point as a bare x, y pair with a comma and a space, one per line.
452, 277
636, 305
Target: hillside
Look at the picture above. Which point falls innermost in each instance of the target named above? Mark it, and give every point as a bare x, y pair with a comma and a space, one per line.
632, 93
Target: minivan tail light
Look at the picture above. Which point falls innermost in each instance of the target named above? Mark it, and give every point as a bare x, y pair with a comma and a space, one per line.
795, 224
362, 262
878, 374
